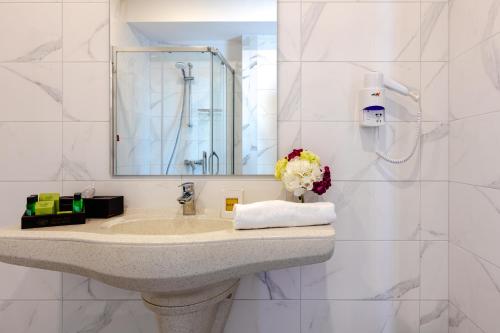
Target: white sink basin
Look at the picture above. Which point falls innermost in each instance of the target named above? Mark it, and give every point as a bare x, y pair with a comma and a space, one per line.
176, 262
166, 226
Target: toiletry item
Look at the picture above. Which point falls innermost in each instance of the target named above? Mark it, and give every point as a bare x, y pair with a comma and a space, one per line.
88, 192
30, 204
50, 197
278, 213
230, 198
98, 207
77, 203
52, 220
45, 208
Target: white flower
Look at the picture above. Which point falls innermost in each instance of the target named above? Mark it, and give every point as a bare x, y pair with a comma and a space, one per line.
300, 176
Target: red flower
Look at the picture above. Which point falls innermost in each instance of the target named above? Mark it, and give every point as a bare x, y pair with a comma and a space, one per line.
323, 185
294, 153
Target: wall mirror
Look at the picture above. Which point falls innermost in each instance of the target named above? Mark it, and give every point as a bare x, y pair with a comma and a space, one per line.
194, 87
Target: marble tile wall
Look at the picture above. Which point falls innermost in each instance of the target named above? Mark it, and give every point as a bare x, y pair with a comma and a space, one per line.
390, 265
259, 138
474, 164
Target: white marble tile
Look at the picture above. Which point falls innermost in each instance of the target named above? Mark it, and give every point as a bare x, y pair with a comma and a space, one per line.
31, 31
434, 31
330, 89
471, 23
319, 316
288, 137
86, 92
77, 287
30, 151
138, 193
30, 316
86, 32
324, 27
370, 270
86, 151
369, 1
13, 198
434, 316
474, 86
274, 285
474, 216
376, 210
473, 143
434, 270
434, 91
107, 317
84, 0
474, 285
31, 92
264, 317
459, 323
209, 192
350, 149
22, 1
289, 32
289, 91
18, 283
434, 211
434, 145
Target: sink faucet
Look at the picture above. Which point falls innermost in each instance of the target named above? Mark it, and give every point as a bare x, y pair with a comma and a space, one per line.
187, 199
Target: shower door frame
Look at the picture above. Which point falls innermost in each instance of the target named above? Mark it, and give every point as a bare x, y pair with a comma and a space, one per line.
170, 49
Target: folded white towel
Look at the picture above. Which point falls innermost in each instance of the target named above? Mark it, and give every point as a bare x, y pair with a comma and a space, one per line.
278, 213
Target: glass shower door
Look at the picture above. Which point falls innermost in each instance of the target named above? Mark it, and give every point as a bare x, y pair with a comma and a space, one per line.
219, 130
162, 112
222, 150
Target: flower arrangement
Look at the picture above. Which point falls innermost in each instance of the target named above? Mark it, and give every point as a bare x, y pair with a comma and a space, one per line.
301, 171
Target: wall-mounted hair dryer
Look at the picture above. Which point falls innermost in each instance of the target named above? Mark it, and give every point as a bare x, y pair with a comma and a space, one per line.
372, 98
372, 108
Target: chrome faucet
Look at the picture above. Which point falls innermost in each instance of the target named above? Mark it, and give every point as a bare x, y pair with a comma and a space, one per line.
187, 199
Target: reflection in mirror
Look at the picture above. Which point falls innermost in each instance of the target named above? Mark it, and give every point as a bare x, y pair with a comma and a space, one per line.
194, 87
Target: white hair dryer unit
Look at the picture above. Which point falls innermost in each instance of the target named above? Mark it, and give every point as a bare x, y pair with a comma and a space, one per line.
373, 111
372, 96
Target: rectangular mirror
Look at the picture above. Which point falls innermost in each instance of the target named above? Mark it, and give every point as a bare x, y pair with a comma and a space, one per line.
194, 87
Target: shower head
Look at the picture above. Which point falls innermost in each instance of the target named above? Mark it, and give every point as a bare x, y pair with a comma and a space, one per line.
182, 67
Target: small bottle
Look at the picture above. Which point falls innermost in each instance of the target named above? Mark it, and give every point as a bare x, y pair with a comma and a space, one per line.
30, 205
77, 203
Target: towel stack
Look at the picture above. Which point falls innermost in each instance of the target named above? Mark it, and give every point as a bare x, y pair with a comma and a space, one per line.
278, 213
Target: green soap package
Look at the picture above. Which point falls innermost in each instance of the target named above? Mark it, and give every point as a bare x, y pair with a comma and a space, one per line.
50, 197
45, 208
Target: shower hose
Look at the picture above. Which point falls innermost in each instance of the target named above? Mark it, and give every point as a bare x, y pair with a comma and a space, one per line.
179, 129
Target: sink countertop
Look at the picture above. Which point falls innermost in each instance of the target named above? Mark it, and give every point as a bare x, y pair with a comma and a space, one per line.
189, 254
99, 230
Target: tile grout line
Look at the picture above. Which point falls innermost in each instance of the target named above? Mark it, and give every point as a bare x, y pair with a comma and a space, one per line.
450, 137
300, 139
421, 149
61, 324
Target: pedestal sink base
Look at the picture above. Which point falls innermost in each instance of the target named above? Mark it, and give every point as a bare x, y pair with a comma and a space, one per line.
197, 311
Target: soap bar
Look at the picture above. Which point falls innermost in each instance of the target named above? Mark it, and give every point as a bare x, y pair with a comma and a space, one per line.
50, 197
44, 208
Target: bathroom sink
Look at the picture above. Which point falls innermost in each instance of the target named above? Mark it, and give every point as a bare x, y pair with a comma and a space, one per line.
164, 226
174, 261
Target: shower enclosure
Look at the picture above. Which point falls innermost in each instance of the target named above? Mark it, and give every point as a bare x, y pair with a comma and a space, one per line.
173, 111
